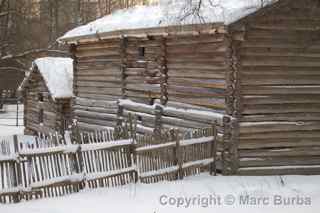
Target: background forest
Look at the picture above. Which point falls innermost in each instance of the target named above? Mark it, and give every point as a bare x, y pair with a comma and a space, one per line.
29, 28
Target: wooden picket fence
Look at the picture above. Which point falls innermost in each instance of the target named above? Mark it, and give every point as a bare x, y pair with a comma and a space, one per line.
33, 167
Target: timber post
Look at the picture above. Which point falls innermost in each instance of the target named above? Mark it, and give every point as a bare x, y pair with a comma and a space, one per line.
234, 145
226, 161
119, 125
17, 178
123, 68
214, 146
78, 164
164, 72
158, 121
178, 156
123, 65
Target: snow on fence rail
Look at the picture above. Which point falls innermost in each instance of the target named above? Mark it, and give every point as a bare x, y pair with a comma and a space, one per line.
46, 166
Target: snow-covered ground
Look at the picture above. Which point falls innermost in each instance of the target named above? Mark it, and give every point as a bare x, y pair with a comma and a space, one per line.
8, 120
300, 194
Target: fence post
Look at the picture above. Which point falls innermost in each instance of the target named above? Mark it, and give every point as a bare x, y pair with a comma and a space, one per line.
178, 156
77, 157
17, 173
17, 117
158, 122
119, 124
214, 146
133, 161
1, 99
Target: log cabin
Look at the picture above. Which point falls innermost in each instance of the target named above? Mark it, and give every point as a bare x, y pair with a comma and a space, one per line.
47, 94
253, 69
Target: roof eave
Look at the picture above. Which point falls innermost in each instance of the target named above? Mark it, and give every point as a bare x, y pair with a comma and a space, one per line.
196, 29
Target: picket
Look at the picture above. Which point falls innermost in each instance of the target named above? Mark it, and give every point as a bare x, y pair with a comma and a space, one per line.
33, 167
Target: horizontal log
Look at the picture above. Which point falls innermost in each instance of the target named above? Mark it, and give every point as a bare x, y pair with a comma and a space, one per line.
92, 127
194, 115
199, 92
204, 83
113, 110
278, 161
95, 115
137, 107
280, 170
198, 66
98, 62
279, 99
91, 92
96, 122
300, 151
278, 52
262, 79
197, 74
181, 105
284, 26
255, 127
96, 103
294, 116
198, 48
281, 108
278, 143
217, 104
280, 90
280, 135
146, 95
189, 40
104, 52
279, 62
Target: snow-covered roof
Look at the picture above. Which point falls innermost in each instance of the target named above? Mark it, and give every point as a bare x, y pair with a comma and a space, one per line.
57, 74
169, 13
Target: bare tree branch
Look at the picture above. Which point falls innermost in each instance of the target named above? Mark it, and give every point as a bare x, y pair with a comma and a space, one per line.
35, 52
13, 68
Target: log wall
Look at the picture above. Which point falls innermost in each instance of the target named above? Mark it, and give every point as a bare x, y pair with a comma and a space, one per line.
97, 83
279, 77
167, 69
197, 67
54, 112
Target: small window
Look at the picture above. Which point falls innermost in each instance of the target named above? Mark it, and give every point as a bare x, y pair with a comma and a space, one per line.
40, 97
142, 51
41, 114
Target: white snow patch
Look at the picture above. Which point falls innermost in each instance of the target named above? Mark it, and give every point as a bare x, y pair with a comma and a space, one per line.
197, 141
146, 197
170, 13
8, 121
58, 75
